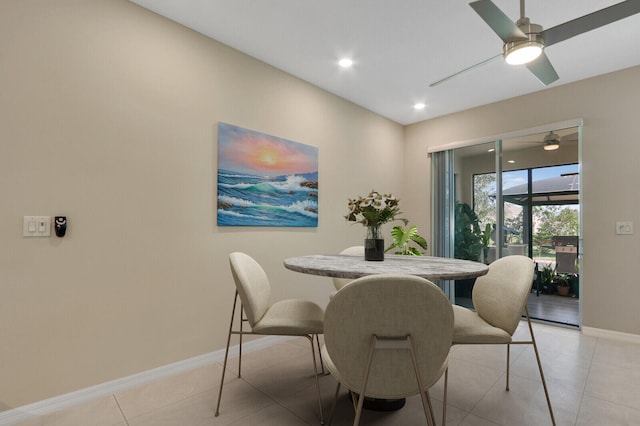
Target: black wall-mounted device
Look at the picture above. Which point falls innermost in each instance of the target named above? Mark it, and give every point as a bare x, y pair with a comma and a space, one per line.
60, 225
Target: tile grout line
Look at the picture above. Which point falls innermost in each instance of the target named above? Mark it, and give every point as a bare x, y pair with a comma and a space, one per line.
586, 381
277, 403
120, 408
600, 341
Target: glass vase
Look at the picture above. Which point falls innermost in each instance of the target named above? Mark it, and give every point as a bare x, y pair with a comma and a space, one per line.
373, 245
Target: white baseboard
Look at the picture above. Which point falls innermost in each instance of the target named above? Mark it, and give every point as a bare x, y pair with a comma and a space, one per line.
609, 334
60, 402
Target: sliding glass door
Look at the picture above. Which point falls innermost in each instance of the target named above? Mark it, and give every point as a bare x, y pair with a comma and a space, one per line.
512, 196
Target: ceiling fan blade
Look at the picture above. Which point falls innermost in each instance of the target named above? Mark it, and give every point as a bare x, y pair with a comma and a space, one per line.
543, 70
506, 29
479, 64
590, 22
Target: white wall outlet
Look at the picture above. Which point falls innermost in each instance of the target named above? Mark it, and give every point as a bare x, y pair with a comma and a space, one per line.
36, 226
624, 228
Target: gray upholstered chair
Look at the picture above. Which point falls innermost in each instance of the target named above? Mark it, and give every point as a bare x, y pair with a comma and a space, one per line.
338, 283
388, 336
499, 298
289, 317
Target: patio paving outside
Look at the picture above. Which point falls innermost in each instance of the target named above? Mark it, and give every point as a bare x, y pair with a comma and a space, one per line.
563, 310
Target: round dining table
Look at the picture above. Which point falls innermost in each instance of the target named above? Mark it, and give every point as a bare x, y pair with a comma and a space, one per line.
352, 267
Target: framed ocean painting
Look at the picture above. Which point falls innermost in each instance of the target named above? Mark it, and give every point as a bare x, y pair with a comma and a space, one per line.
265, 180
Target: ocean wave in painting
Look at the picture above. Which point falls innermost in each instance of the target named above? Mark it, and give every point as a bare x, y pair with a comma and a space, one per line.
249, 200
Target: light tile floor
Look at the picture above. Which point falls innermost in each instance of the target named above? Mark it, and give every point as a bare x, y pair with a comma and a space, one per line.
592, 381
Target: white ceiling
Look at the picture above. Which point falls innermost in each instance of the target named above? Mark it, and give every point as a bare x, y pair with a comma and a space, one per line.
399, 47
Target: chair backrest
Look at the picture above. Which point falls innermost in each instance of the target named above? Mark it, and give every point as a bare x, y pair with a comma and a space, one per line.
252, 285
338, 283
499, 296
389, 305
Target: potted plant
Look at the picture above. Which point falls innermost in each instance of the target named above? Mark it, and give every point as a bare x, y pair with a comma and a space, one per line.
486, 240
562, 284
547, 275
468, 236
467, 243
574, 282
402, 238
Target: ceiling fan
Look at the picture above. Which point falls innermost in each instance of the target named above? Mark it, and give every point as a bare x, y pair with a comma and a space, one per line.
524, 42
550, 140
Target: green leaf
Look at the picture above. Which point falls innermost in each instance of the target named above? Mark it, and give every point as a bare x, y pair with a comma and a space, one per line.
402, 238
420, 241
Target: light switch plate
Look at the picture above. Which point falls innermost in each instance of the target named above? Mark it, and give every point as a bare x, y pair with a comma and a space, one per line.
36, 226
624, 228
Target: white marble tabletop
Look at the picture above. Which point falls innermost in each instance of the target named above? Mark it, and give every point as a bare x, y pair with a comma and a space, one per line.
344, 266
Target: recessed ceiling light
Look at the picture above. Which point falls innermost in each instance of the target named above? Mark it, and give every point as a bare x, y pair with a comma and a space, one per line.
419, 106
511, 161
345, 62
491, 150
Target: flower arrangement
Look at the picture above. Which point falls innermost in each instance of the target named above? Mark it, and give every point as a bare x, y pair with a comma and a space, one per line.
373, 211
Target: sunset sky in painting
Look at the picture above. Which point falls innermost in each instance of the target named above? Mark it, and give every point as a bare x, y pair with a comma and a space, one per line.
246, 151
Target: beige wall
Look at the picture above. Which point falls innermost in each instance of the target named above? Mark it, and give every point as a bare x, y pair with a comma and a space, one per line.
108, 115
609, 106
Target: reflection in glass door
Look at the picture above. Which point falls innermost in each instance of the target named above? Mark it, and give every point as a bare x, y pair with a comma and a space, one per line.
475, 210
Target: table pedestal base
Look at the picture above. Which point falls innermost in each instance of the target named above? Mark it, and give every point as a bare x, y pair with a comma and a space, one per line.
377, 404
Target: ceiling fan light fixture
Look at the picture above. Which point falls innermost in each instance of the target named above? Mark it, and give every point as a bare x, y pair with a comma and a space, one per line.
518, 53
551, 146
523, 51
551, 142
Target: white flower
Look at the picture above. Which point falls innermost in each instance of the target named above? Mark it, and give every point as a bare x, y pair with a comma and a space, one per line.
373, 210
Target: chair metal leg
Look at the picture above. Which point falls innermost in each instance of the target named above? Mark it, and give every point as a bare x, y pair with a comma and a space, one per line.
320, 355
365, 380
354, 400
242, 320
335, 403
424, 394
226, 353
444, 399
395, 343
431, 419
544, 382
241, 332
315, 372
508, 363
